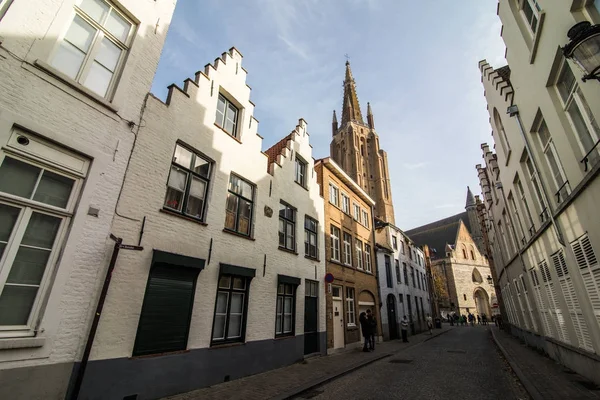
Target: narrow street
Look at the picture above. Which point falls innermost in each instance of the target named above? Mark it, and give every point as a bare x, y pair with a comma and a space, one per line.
461, 364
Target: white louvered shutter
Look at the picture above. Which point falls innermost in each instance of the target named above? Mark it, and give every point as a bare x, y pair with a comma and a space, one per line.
542, 306
555, 311
590, 271
528, 303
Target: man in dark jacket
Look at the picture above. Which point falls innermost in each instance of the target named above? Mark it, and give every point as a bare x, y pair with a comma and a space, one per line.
366, 330
373, 329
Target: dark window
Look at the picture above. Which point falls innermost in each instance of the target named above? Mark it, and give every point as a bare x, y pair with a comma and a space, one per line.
286, 309
388, 271
395, 242
188, 183
419, 279
239, 206
412, 276
311, 248
287, 227
465, 296
230, 309
227, 116
166, 311
422, 308
398, 279
472, 255
405, 273
301, 172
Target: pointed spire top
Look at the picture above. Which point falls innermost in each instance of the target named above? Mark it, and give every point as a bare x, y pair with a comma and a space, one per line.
334, 117
350, 108
470, 199
370, 120
369, 112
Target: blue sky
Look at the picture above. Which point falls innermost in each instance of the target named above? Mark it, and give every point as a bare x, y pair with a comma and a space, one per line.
414, 61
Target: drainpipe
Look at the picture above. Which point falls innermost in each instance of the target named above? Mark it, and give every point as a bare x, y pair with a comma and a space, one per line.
513, 111
375, 265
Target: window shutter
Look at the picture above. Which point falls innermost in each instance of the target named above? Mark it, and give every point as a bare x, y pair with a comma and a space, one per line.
165, 318
589, 270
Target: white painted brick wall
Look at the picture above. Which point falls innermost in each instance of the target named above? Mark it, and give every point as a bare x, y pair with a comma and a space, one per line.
55, 111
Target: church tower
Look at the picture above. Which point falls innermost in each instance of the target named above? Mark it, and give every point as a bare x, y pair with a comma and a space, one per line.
355, 148
474, 223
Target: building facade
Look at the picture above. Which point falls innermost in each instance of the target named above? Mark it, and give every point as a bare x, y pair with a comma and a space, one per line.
540, 184
74, 76
403, 281
458, 267
229, 282
349, 256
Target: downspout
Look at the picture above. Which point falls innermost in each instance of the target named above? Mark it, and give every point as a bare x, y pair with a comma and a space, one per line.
513, 110
375, 265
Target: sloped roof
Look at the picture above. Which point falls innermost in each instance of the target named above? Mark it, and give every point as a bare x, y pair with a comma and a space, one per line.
439, 233
504, 73
274, 151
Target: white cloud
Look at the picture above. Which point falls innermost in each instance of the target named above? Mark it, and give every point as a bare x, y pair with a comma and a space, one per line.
415, 165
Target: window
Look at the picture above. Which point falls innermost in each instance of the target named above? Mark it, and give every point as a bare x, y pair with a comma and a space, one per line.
388, 271
32, 224
227, 116
356, 212
464, 251
300, 172
359, 254
402, 243
92, 51
188, 183
513, 207
579, 113
502, 133
368, 258
419, 280
365, 218
412, 276
334, 195
531, 14
350, 313
465, 297
398, 272
164, 325
410, 256
405, 269
285, 311
4, 4
395, 242
347, 250
311, 245
561, 186
472, 255
533, 177
345, 204
589, 268
521, 194
287, 227
335, 243
239, 206
230, 309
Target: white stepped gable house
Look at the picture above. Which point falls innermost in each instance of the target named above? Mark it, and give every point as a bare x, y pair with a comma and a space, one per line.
230, 279
73, 78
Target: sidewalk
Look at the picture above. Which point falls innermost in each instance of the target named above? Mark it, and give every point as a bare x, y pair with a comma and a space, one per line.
287, 382
541, 376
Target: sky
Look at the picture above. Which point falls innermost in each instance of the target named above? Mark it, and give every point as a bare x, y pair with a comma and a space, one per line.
414, 61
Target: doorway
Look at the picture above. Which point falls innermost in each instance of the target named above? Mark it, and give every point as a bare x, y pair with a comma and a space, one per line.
338, 318
391, 314
311, 317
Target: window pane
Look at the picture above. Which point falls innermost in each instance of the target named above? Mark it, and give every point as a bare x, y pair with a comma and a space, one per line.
201, 166
176, 188
219, 328
17, 177
182, 156
68, 60
80, 34
54, 189
565, 82
580, 127
222, 298
41, 231
279, 302
225, 282
281, 232
8, 218
278, 326
244, 221
29, 266
290, 236
289, 289
235, 326
239, 283
231, 211
108, 54
220, 111
118, 26
97, 9
237, 303
287, 305
16, 303
287, 323
98, 79
195, 201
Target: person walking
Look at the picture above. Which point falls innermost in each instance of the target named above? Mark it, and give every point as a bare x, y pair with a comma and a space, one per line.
429, 324
372, 329
404, 329
478, 320
366, 330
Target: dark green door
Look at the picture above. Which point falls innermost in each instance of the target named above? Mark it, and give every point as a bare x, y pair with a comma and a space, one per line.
311, 317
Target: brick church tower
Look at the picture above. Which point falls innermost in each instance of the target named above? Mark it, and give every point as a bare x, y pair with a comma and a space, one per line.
355, 148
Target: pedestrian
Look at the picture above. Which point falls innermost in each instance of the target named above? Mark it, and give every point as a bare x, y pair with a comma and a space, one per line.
478, 320
404, 328
471, 319
366, 330
372, 329
484, 317
456, 319
429, 324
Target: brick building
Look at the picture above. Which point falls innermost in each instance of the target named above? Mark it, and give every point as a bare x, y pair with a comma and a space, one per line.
73, 79
349, 255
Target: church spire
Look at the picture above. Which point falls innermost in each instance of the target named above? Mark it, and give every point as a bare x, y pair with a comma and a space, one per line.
470, 199
351, 108
334, 124
370, 117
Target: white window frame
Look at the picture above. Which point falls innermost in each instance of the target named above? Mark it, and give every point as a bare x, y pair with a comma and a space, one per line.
350, 307
4, 5
515, 211
334, 195
536, 188
345, 203
28, 207
561, 184
235, 121
94, 48
368, 258
347, 248
359, 254
535, 11
365, 218
334, 236
356, 213
301, 168
521, 193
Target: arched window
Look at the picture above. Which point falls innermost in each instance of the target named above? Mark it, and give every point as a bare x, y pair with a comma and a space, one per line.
465, 297
465, 253
472, 252
476, 276
501, 133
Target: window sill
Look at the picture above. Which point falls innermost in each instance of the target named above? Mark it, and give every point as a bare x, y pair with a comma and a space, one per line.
312, 258
228, 134
22, 343
183, 216
284, 336
75, 85
302, 186
287, 250
219, 345
240, 235
340, 263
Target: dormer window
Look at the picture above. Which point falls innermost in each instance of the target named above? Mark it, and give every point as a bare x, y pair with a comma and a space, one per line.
227, 116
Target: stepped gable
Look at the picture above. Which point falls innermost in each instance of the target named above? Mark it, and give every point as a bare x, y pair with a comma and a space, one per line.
282, 149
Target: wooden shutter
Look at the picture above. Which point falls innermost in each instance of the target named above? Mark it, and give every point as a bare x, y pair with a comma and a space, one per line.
590, 271
166, 311
555, 312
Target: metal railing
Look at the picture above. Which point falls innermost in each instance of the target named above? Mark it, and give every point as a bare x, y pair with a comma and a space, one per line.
586, 160
559, 192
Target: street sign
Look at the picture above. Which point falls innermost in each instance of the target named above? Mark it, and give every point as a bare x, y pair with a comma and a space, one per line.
131, 247
329, 277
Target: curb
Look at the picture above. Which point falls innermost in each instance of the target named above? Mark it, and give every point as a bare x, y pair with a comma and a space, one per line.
326, 379
527, 384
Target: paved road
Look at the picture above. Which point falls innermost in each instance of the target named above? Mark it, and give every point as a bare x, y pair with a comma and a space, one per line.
461, 364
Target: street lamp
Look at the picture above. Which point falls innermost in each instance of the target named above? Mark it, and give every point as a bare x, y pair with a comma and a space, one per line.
489, 279
584, 48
